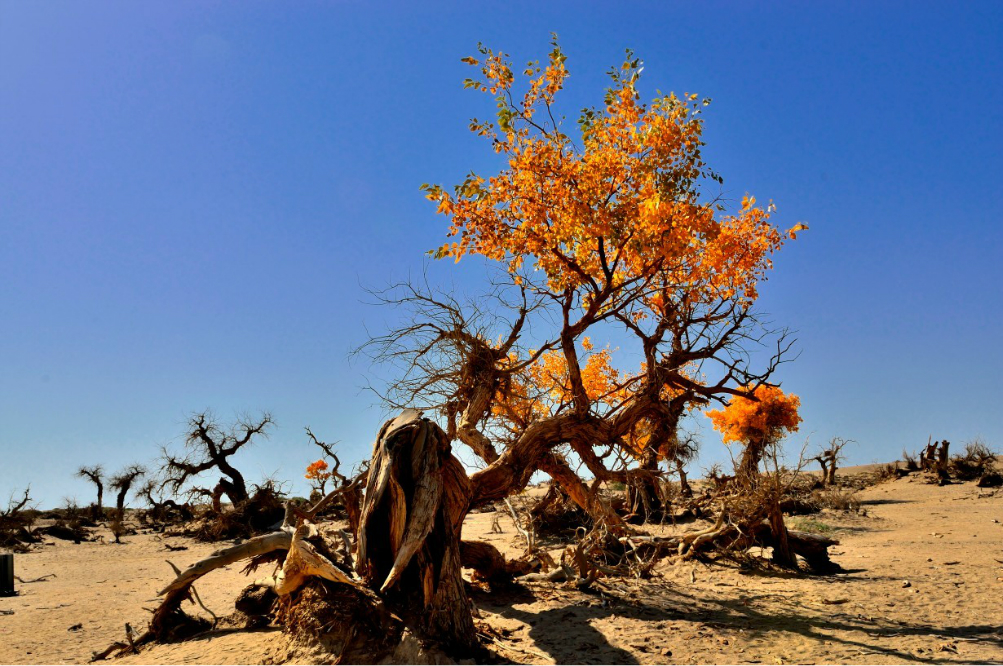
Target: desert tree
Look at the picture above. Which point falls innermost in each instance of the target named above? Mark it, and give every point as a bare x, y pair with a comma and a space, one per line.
122, 483
320, 472
16, 520
606, 231
829, 458
209, 446
318, 475
95, 475
757, 422
611, 231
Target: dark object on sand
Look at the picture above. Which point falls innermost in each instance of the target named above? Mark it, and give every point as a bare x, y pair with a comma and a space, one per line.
7, 575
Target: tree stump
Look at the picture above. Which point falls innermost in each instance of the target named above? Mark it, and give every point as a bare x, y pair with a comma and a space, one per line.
417, 496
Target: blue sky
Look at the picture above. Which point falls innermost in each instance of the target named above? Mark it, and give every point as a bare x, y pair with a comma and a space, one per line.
193, 197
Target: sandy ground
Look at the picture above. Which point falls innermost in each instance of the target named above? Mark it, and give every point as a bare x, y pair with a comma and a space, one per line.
946, 542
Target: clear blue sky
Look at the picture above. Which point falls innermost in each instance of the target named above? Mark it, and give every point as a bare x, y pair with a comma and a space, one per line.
192, 195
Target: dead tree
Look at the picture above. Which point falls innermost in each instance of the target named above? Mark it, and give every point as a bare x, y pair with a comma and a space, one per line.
349, 491
162, 510
943, 456
121, 483
830, 457
96, 476
208, 446
927, 457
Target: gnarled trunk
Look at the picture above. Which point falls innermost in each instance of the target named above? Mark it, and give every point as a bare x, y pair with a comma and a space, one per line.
417, 496
748, 468
644, 497
684, 485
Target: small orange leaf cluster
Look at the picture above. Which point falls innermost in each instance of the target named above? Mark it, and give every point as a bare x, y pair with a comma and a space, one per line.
317, 470
771, 415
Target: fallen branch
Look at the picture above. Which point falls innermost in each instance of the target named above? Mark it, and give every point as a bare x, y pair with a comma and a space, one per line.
265, 543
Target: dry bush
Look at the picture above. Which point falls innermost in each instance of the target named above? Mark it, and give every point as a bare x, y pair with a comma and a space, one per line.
976, 461
889, 472
70, 523
16, 521
255, 515
556, 516
837, 499
799, 498
911, 464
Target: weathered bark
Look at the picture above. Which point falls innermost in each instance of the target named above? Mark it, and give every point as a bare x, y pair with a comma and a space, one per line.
644, 498
416, 498
782, 554
564, 476
942, 458
684, 485
752, 454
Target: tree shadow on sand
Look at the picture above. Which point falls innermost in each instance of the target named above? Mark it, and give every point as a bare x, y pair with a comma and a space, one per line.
566, 633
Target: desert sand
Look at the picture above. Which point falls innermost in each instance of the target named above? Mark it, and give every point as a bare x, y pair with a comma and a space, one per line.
923, 582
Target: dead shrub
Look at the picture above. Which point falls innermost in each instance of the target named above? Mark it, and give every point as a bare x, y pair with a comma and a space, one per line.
16, 521
890, 471
258, 514
838, 499
910, 461
976, 461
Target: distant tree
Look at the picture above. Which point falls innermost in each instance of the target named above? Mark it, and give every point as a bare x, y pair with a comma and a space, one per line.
757, 422
829, 457
121, 483
95, 475
317, 474
208, 446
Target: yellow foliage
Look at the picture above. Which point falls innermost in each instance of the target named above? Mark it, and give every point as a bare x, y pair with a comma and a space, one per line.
621, 206
769, 417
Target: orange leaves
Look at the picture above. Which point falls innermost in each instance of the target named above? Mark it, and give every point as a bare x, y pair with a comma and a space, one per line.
317, 471
543, 388
768, 419
620, 205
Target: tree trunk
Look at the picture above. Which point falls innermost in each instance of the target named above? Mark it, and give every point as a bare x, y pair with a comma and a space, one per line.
646, 501
98, 511
565, 477
417, 496
217, 498
684, 484
942, 456
748, 468
830, 478
120, 503
825, 469
782, 554
234, 488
